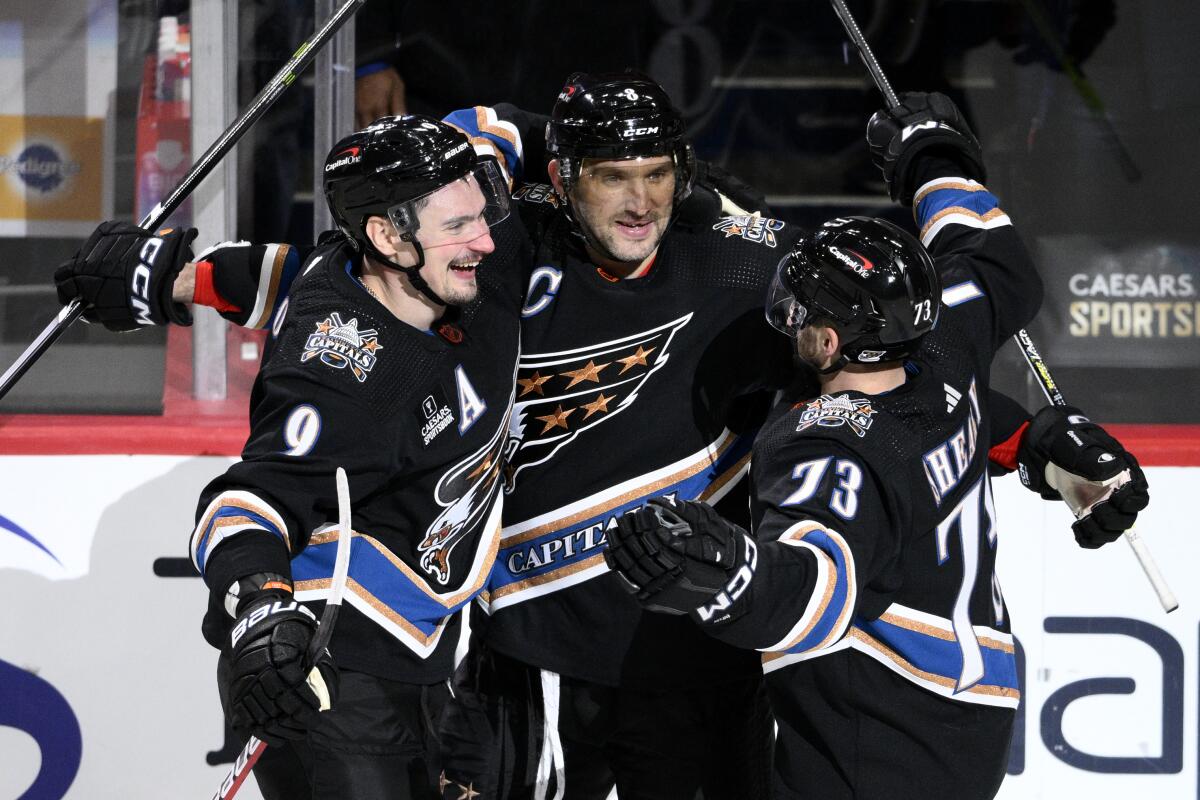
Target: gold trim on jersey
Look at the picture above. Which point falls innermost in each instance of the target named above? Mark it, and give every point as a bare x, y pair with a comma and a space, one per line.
861, 636
212, 531
709, 457
815, 612
547, 577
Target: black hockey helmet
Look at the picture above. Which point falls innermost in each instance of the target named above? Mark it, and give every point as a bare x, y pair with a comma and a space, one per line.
389, 169
617, 116
870, 280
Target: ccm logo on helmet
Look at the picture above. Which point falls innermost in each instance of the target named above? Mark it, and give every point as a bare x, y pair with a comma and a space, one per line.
139, 285
640, 131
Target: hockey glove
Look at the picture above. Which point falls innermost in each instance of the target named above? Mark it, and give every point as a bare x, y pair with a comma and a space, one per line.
923, 122
125, 275
270, 692
1065, 456
682, 559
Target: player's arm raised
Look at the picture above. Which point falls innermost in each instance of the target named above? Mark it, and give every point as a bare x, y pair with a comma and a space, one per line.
827, 534
933, 162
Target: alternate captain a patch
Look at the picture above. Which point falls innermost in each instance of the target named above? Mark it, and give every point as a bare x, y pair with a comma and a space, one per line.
752, 229
342, 345
829, 411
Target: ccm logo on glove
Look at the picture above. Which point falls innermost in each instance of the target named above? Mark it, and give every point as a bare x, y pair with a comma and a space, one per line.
736, 587
140, 283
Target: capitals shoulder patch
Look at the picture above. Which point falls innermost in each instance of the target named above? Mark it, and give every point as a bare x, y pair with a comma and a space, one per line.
342, 345
537, 193
753, 229
829, 411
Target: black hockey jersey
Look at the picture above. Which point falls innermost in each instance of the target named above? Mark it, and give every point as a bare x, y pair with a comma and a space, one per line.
418, 419
625, 392
876, 537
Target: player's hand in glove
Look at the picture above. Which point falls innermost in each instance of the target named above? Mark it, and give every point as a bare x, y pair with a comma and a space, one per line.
1064, 455
922, 123
125, 275
682, 559
269, 690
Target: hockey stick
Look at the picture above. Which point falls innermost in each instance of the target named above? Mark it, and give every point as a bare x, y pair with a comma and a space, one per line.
1085, 90
224, 143
254, 748
1040, 371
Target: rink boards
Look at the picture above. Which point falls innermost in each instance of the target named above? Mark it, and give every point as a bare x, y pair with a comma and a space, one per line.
107, 689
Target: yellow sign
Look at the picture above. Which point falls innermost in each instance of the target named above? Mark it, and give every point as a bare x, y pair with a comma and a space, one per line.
51, 170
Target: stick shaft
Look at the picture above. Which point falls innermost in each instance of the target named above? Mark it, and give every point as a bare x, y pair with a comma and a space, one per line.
254, 748
240, 770
1146, 561
188, 183
864, 51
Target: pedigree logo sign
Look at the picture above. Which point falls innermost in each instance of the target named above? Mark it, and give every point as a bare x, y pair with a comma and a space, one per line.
51, 171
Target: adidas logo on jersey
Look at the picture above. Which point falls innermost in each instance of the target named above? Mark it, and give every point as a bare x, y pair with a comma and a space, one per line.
952, 397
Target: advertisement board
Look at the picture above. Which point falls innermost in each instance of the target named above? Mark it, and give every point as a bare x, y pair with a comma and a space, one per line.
51, 174
107, 688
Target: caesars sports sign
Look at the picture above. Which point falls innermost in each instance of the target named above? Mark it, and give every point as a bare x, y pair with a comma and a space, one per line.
1132, 305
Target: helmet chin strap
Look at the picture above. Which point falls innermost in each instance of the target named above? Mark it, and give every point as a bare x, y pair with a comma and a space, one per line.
413, 273
840, 362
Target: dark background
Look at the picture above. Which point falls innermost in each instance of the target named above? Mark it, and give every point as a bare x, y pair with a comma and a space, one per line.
1087, 110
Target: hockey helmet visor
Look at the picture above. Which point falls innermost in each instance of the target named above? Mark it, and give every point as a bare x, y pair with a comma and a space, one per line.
456, 213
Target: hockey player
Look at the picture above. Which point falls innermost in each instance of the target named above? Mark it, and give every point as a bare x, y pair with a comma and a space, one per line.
392, 358
869, 583
624, 393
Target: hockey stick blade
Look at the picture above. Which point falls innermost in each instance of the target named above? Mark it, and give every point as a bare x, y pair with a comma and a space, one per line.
199, 170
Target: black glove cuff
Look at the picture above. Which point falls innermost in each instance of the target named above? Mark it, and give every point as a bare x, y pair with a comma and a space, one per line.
943, 162
243, 555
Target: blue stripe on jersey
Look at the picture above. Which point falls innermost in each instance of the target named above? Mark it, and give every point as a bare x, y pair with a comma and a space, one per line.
468, 119
536, 561
938, 200
832, 612
225, 514
377, 576
943, 657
